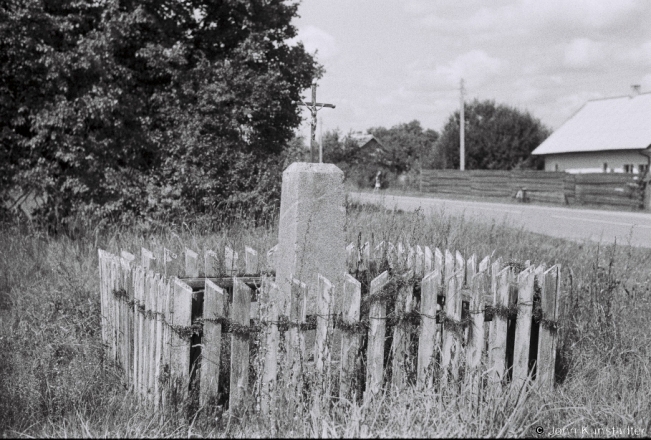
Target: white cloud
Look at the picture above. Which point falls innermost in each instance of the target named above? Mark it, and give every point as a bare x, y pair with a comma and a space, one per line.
640, 55
475, 67
582, 53
316, 39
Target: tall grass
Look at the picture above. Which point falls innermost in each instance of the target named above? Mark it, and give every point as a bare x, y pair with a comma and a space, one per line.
56, 381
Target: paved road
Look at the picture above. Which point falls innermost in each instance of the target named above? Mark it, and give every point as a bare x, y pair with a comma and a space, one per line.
575, 224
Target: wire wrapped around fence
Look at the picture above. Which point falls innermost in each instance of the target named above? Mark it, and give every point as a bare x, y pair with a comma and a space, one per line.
387, 293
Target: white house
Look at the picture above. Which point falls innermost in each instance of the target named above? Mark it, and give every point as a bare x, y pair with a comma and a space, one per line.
605, 135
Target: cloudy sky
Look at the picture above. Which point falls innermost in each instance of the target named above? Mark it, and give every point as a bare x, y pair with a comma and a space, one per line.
392, 61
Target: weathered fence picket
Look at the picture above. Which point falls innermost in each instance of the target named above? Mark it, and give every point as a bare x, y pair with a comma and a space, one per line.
465, 311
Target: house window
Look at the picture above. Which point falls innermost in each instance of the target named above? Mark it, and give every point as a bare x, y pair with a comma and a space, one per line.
629, 168
605, 167
643, 168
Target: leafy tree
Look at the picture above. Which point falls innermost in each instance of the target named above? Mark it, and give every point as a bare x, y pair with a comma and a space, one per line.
141, 107
497, 137
407, 145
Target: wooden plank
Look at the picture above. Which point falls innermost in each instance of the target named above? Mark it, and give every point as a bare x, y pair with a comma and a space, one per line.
352, 294
191, 263
251, 260
428, 263
211, 264
400, 343
270, 297
351, 258
523, 326
230, 261
102, 292
497, 343
168, 309
213, 311
365, 255
450, 338
400, 252
153, 335
144, 334
239, 380
427, 340
170, 266
128, 256
419, 267
325, 292
180, 349
376, 334
147, 336
548, 283
137, 335
476, 341
147, 259
295, 336
112, 307
127, 285
160, 301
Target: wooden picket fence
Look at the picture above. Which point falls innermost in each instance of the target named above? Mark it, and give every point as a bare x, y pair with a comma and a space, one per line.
447, 318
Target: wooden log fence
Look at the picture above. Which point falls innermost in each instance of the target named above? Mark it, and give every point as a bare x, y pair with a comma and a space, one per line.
540, 186
447, 319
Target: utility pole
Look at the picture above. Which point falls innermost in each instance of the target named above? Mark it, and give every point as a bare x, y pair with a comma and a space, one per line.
314, 107
462, 134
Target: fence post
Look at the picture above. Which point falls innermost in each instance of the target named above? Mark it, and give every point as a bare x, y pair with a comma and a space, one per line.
349, 340
428, 341
549, 299
400, 345
523, 326
239, 344
377, 331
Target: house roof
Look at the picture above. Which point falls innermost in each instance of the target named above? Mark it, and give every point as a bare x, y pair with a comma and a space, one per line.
622, 123
362, 139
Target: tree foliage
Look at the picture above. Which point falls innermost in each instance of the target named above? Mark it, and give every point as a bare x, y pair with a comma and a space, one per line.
404, 148
497, 137
128, 108
407, 146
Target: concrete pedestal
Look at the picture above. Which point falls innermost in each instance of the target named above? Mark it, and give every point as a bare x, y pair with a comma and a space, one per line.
311, 229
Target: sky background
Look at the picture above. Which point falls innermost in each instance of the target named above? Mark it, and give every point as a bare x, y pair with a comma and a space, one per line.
392, 61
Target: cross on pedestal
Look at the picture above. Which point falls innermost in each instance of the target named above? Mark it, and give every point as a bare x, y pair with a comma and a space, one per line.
314, 107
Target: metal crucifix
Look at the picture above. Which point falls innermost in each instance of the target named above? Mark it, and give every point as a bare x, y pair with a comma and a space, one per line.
314, 107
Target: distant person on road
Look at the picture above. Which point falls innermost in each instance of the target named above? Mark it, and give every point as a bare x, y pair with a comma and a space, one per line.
377, 181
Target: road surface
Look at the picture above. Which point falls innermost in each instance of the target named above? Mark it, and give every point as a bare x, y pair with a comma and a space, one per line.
576, 224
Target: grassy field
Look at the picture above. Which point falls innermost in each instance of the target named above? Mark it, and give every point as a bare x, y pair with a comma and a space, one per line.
56, 381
